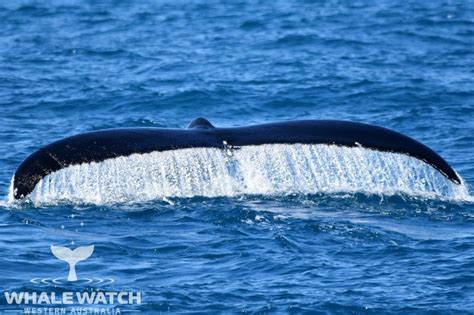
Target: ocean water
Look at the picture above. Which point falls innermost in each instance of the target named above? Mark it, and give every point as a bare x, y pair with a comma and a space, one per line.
336, 235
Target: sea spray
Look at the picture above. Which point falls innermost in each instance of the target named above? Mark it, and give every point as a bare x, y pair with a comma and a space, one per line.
276, 169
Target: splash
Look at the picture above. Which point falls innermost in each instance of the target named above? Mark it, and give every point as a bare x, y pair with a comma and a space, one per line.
275, 169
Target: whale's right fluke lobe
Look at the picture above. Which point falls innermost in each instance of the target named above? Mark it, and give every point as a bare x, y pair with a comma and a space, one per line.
99, 146
341, 133
72, 257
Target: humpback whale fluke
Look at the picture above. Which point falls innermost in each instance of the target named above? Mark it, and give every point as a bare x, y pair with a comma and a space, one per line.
72, 257
101, 145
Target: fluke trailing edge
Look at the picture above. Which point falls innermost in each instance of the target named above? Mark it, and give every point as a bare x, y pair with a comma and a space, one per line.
106, 144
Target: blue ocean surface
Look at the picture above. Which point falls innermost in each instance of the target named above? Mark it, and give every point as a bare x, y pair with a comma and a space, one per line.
68, 67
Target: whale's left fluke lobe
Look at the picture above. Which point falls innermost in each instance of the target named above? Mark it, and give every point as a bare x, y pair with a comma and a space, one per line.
32, 170
102, 145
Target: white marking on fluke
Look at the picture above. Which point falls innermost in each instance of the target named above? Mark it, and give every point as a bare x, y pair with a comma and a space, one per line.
72, 257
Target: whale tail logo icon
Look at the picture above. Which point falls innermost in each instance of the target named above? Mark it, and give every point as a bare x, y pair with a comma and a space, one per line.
72, 257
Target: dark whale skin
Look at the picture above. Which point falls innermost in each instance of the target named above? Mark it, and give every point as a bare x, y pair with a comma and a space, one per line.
98, 146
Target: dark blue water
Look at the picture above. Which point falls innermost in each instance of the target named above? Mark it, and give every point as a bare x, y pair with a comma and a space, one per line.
68, 67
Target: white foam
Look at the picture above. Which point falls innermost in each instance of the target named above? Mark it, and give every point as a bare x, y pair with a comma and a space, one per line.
266, 170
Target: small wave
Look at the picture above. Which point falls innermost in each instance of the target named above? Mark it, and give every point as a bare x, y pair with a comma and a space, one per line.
297, 39
276, 169
252, 24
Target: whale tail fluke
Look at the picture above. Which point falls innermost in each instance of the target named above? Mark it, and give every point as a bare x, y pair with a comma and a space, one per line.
104, 145
72, 257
